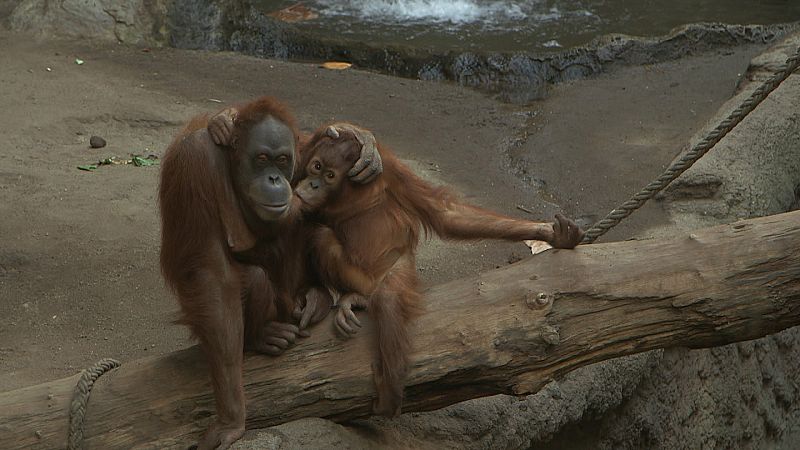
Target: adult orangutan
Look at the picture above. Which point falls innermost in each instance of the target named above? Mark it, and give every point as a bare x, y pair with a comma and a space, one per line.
234, 250
367, 248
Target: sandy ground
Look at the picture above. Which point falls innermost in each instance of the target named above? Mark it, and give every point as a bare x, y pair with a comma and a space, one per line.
79, 278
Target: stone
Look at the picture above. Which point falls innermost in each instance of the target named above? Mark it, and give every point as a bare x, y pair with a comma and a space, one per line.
97, 142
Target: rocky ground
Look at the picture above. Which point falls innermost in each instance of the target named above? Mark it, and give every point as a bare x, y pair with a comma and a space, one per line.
78, 250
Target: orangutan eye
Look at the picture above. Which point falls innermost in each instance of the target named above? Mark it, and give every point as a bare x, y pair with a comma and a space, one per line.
262, 157
330, 175
317, 165
281, 160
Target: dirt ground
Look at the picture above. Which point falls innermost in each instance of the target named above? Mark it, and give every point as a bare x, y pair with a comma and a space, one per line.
79, 277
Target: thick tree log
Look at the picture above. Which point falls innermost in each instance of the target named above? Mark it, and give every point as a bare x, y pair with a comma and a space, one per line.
510, 330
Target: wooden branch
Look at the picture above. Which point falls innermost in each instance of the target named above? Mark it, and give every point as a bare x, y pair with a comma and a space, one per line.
510, 330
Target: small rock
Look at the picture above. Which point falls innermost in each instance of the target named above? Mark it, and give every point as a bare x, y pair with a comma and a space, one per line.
555, 392
97, 142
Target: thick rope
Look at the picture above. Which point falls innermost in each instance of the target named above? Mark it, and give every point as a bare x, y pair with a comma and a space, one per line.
697, 152
77, 409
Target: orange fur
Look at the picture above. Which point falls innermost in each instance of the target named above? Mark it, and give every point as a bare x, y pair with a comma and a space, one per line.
371, 242
232, 272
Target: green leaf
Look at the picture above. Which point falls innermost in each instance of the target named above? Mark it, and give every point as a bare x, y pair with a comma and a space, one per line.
138, 161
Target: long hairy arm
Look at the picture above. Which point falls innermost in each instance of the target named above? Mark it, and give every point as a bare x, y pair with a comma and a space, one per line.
441, 211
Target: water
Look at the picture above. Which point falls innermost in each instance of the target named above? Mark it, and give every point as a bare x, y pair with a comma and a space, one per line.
534, 25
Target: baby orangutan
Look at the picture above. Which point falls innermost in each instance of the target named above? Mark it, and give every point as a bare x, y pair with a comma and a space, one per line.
366, 248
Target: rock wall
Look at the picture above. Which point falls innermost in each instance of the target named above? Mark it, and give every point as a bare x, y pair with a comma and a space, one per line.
129, 21
753, 172
744, 395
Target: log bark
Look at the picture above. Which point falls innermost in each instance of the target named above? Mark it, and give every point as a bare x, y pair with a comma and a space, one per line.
510, 330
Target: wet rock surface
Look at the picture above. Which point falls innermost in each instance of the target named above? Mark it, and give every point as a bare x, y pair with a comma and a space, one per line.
518, 77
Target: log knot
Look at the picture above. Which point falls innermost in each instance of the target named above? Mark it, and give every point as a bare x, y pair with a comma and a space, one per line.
538, 300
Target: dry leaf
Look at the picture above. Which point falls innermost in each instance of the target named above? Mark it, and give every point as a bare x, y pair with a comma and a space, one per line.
538, 246
295, 13
333, 65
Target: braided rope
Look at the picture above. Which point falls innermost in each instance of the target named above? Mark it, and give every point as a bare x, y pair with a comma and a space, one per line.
697, 152
77, 409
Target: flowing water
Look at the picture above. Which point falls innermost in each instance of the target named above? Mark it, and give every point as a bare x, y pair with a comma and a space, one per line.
534, 25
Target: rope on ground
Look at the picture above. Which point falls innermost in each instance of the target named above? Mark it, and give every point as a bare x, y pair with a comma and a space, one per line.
77, 409
697, 152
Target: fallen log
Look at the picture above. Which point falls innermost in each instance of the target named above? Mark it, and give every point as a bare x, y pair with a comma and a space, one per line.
510, 330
